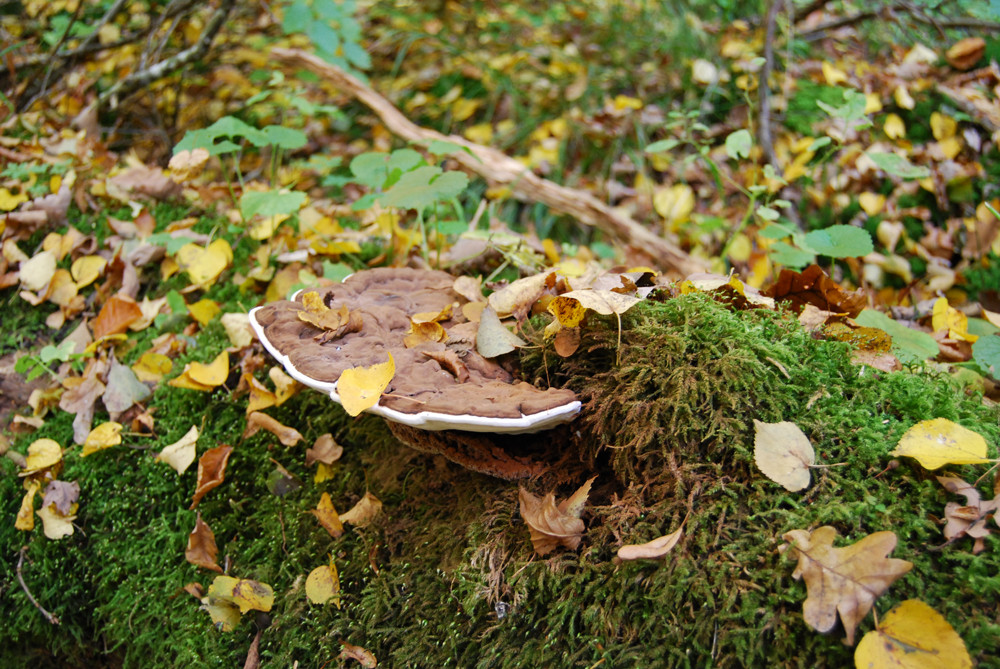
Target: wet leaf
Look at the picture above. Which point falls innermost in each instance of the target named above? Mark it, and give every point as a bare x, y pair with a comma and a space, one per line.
844, 581
181, 453
783, 452
912, 635
361, 388
939, 442
201, 550
211, 471
553, 525
335, 322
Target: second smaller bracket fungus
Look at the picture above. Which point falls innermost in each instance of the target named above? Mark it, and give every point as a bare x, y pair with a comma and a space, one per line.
440, 382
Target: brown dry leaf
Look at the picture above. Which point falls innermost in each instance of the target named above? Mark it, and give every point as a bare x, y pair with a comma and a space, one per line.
288, 436
813, 286
334, 322
79, 399
201, 549
325, 450
783, 452
115, 316
554, 525
965, 53
211, 471
566, 342
970, 519
517, 298
842, 580
469, 288
327, 516
451, 363
364, 512
651, 550
365, 657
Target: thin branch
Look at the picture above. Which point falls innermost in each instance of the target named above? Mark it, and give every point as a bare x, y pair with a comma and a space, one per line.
20, 579
498, 167
144, 77
918, 15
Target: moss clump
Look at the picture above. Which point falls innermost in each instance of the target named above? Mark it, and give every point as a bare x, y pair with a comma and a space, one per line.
446, 576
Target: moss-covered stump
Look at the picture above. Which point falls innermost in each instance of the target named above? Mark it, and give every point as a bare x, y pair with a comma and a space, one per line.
446, 575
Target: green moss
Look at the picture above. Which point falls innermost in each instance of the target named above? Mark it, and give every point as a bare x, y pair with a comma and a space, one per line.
445, 577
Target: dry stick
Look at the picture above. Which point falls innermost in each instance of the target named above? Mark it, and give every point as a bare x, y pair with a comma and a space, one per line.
500, 168
904, 7
20, 579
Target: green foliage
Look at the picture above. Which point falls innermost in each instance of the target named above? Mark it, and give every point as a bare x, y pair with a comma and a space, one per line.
908, 345
33, 365
332, 29
899, 166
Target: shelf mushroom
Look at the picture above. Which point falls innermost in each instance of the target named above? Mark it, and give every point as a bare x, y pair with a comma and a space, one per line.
441, 383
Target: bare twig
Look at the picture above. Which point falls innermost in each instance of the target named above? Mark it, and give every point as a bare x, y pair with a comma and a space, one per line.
20, 579
904, 7
150, 74
498, 167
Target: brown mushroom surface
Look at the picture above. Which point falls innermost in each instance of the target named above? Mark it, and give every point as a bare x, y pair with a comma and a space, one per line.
438, 385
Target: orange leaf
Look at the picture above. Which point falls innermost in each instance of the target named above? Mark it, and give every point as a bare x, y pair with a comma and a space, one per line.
201, 548
288, 436
327, 516
115, 316
211, 471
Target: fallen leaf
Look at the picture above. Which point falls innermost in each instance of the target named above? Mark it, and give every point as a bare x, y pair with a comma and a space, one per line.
324, 450
451, 363
604, 302
281, 482
62, 496
912, 635
566, 342
333, 322
225, 614
25, 520
42, 454
285, 386
181, 453
568, 312
364, 512
36, 273
493, 338
237, 327
123, 389
115, 316
245, 594
327, 516
813, 286
517, 298
783, 452
323, 584
552, 525
201, 549
939, 442
103, 436
968, 519
57, 525
843, 581
365, 657
211, 471
965, 53
361, 388
204, 264
469, 288
288, 436
651, 550
87, 269
204, 310
213, 374
151, 367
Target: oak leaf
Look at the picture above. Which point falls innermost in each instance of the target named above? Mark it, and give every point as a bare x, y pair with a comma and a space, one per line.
912, 635
843, 581
784, 454
968, 519
553, 525
211, 471
201, 548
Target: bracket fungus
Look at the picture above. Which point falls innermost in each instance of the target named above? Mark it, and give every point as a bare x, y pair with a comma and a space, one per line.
441, 383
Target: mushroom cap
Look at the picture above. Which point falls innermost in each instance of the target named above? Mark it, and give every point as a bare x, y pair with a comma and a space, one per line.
423, 393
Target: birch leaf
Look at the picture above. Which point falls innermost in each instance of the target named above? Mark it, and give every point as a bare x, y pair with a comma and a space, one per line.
784, 454
939, 442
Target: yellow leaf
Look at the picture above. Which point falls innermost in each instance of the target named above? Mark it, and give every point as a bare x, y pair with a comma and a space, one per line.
323, 585
181, 453
784, 454
872, 203
237, 327
256, 420
938, 442
242, 592
873, 103
284, 385
943, 127
103, 436
26, 515
57, 525
327, 516
152, 366
903, 98
204, 311
324, 472
481, 133
604, 302
912, 635
952, 320
674, 203
623, 102
832, 75
950, 147
213, 374
9, 201
204, 264
36, 273
86, 269
894, 127
360, 388
225, 614
568, 312
42, 454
